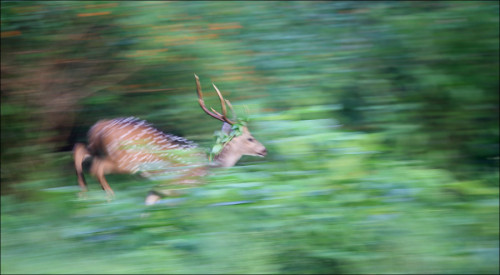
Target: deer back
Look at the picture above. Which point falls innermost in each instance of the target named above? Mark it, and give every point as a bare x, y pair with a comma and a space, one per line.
133, 145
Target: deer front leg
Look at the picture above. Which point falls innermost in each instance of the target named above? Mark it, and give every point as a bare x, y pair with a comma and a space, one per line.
152, 198
192, 178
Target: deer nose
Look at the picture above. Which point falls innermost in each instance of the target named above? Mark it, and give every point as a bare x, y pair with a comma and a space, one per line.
263, 152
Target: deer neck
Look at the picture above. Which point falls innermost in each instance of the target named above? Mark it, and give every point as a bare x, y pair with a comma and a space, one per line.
227, 157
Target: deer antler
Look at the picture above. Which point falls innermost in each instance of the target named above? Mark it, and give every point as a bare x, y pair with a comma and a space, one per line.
231, 107
222, 117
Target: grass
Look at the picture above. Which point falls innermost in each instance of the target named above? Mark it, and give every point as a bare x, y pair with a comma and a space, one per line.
324, 211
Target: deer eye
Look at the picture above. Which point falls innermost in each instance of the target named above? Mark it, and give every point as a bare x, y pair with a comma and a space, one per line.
250, 139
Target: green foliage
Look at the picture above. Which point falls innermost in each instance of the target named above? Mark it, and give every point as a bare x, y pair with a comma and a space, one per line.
380, 120
222, 138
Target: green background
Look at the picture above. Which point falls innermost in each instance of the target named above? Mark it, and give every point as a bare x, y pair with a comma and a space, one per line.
380, 119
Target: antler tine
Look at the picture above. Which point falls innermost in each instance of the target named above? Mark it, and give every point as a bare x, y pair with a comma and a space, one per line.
215, 112
202, 103
223, 104
231, 107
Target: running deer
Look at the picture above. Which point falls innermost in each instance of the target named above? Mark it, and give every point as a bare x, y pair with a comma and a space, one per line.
130, 145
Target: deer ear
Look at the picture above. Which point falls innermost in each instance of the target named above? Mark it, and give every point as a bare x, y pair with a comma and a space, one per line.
226, 128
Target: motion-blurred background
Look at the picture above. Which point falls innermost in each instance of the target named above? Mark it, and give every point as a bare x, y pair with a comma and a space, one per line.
380, 118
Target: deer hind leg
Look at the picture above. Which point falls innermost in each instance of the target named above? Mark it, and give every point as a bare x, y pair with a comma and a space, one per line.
80, 153
100, 167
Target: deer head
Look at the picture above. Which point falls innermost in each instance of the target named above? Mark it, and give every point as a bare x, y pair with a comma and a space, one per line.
239, 139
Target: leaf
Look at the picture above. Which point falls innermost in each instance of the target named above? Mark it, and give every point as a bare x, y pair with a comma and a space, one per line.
217, 148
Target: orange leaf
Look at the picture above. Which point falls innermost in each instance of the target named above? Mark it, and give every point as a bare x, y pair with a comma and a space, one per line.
10, 34
227, 26
93, 14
